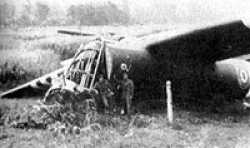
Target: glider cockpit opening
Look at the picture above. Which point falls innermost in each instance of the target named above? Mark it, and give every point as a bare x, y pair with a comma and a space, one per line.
84, 66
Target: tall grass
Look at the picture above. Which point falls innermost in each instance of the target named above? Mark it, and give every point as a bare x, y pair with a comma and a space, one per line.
36, 62
21, 65
33, 53
9, 43
64, 46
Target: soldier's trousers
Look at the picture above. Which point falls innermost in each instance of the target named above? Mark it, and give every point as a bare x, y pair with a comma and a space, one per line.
126, 104
105, 101
101, 102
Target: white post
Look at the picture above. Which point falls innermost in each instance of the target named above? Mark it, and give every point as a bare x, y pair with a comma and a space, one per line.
169, 101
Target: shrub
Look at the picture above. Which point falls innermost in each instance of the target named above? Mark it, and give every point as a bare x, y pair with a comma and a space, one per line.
18, 66
9, 43
36, 62
65, 46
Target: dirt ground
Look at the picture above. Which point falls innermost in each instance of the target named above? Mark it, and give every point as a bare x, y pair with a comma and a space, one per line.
190, 130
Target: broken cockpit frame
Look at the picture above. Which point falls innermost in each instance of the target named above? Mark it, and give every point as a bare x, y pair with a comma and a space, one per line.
76, 84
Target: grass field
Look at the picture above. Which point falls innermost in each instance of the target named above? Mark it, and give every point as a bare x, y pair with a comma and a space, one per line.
190, 129
36, 51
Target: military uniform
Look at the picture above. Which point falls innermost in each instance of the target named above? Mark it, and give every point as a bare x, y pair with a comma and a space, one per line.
104, 89
127, 87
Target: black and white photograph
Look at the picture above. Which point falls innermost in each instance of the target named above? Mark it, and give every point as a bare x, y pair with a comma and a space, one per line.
125, 74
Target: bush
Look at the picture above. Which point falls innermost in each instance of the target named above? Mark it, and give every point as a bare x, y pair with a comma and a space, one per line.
65, 46
18, 66
9, 43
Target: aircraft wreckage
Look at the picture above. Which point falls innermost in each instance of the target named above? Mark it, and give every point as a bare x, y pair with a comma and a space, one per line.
202, 62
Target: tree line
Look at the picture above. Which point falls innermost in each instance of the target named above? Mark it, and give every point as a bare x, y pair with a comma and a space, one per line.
43, 15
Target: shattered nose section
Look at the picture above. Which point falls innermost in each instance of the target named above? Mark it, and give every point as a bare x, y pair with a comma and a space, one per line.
74, 88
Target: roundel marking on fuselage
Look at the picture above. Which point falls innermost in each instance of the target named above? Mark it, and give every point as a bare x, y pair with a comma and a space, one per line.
243, 78
124, 67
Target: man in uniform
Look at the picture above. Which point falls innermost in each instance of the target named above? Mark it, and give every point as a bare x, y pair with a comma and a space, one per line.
104, 91
127, 88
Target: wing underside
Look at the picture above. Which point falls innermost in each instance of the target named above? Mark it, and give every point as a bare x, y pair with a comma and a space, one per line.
188, 57
208, 44
34, 87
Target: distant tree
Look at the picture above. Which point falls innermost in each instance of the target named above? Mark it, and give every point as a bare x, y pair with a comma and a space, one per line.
117, 15
88, 14
84, 14
26, 18
41, 13
72, 14
7, 13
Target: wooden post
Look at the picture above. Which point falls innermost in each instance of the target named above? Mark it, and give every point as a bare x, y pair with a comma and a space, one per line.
169, 101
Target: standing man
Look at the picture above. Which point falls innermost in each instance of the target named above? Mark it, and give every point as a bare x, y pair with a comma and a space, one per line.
104, 91
127, 87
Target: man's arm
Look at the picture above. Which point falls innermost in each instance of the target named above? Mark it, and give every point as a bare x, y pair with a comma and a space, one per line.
111, 89
109, 85
132, 87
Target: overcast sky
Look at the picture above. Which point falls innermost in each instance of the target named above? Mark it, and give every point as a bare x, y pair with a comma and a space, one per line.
185, 11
